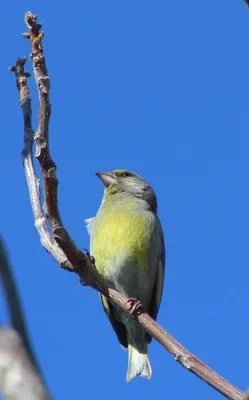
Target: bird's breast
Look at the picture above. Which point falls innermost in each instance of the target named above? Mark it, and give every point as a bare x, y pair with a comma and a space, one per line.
122, 239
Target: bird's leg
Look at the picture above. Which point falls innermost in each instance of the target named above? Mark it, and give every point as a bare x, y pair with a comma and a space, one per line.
134, 307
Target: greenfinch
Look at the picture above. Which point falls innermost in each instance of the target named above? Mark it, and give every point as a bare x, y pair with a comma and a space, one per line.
126, 241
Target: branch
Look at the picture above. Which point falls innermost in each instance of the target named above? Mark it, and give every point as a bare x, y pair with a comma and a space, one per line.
58, 243
14, 303
20, 375
33, 183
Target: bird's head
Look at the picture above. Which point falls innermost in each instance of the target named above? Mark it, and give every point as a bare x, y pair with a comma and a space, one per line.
121, 182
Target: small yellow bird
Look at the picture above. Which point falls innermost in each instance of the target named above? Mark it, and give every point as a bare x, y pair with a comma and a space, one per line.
128, 247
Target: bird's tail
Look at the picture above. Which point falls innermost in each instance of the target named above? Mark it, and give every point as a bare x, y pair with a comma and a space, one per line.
138, 363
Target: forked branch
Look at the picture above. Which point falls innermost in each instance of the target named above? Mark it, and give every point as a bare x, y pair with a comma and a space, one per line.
58, 243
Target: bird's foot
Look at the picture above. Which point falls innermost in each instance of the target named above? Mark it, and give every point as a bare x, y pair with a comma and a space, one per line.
134, 307
91, 258
92, 261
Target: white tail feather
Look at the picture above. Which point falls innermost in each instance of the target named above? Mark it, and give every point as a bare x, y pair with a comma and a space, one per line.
138, 364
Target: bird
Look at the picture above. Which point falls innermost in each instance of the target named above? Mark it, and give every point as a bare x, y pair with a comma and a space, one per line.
127, 244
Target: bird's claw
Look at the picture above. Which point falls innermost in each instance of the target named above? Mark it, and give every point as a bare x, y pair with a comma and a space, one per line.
91, 258
134, 307
92, 261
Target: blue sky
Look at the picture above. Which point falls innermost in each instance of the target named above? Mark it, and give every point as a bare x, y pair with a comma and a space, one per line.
160, 88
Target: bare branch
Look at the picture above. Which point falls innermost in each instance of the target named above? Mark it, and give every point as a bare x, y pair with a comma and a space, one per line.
14, 303
33, 182
48, 166
20, 375
61, 243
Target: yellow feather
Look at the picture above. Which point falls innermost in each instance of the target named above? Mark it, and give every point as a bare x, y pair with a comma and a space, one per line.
114, 234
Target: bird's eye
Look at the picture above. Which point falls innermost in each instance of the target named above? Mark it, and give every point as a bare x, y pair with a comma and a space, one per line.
125, 174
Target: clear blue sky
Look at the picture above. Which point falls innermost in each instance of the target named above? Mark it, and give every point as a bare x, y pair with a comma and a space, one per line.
161, 88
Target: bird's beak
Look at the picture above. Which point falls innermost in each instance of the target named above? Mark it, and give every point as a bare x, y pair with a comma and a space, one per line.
106, 177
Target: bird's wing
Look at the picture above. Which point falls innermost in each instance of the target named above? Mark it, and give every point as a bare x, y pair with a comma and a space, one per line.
117, 325
89, 224
158, 289
108, 307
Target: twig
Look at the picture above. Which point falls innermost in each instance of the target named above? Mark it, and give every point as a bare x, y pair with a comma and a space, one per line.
48, 166
20, 374
60, 241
